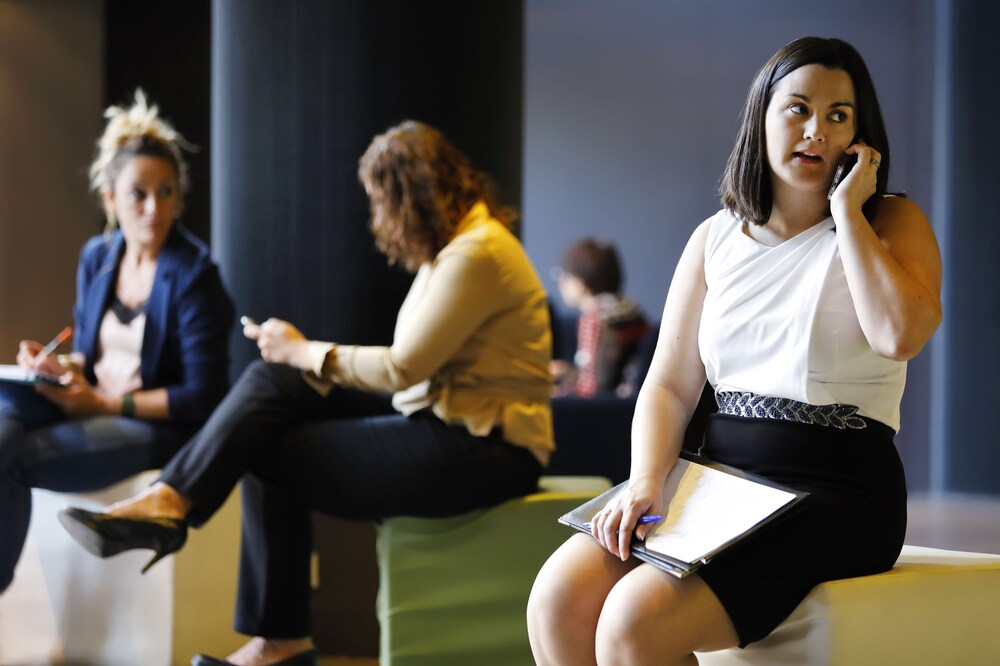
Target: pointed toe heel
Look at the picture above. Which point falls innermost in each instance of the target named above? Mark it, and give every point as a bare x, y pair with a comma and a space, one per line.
103, 535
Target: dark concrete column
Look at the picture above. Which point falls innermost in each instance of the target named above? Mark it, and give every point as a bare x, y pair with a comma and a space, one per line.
966, 456
299, 89
172, 64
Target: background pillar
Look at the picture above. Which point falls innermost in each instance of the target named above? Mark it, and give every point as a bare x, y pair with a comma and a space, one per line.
298, 91
966, 401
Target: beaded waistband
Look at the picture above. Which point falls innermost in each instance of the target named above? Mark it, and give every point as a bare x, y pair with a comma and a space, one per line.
755, 406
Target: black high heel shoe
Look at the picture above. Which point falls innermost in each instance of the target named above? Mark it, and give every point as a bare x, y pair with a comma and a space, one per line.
103, 535
307, 658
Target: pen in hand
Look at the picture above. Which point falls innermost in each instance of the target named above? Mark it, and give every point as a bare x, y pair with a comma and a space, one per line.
643, 520
63, 336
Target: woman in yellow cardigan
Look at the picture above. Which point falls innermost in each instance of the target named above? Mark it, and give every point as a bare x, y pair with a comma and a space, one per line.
468, 425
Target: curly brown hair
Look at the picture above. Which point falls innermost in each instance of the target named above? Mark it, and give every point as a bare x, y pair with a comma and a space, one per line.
420, 187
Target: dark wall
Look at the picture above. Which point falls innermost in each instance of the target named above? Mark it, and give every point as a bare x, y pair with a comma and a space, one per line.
632, 108
299, 89
631, 112
966, 398
50, 115
165, 49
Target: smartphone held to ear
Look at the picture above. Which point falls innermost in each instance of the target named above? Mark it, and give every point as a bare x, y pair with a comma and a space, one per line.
844, 166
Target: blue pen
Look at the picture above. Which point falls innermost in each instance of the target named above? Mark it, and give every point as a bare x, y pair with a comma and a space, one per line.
643, 520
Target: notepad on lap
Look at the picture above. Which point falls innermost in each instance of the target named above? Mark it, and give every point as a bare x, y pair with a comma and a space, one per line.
19, 375
709, 507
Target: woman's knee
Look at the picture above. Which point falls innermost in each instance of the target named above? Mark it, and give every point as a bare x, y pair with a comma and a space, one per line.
620, 637
650, 617
263, 380
554, 585
550, 591
258, 370
571, 586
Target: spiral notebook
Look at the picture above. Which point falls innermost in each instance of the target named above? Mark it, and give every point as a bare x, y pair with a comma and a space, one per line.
709, 507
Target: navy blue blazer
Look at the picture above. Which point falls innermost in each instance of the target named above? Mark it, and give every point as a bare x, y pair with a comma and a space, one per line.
185, 345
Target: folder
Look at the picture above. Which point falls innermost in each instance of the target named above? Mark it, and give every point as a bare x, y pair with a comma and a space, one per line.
708, 507
16, 374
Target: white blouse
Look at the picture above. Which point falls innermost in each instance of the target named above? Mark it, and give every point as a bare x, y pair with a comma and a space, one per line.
780, 321
120, 347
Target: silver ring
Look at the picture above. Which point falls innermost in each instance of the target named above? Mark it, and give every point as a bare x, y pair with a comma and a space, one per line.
622, 531
874, 162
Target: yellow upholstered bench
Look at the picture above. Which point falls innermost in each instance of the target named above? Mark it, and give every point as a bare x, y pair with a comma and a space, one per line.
934, 608
453, 591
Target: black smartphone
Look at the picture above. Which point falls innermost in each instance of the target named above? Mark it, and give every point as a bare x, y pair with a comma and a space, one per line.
844, 165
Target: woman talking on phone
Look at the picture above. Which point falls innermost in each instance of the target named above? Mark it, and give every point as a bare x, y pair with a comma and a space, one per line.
151, 333
801, 307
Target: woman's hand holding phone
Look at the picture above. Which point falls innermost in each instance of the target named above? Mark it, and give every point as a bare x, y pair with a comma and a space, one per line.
278, 341
844, 166
854, 178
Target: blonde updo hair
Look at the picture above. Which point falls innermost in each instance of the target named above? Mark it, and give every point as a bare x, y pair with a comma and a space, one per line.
136, 130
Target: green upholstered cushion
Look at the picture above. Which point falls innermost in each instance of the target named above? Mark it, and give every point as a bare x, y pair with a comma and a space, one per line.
453, 591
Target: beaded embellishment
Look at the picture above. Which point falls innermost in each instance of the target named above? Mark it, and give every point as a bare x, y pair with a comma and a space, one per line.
754, 406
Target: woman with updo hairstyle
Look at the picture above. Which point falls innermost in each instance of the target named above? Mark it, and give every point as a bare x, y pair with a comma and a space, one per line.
150, 338
454, 415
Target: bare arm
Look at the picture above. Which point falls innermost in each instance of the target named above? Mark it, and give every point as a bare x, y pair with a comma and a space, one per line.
893, 265
665, 404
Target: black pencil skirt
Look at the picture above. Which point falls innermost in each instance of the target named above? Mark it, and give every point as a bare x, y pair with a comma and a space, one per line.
852, 523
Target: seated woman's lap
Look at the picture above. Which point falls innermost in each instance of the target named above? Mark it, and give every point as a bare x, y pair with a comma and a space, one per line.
23, 403
379, 466
80, 454
21, 408
583, 592
347, 454
90, 453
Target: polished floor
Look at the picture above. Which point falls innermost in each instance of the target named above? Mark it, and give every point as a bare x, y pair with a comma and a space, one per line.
951, 522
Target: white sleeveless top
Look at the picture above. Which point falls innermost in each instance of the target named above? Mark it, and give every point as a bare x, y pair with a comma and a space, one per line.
780, 321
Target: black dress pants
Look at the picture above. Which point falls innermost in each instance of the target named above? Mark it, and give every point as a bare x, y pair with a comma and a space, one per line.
347, 455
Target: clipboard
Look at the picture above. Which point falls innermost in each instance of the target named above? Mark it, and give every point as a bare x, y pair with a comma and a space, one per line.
709, 508
15, 374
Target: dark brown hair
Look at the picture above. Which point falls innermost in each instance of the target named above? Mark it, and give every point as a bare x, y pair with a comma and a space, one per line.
746, 182
595, 263
420, 187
